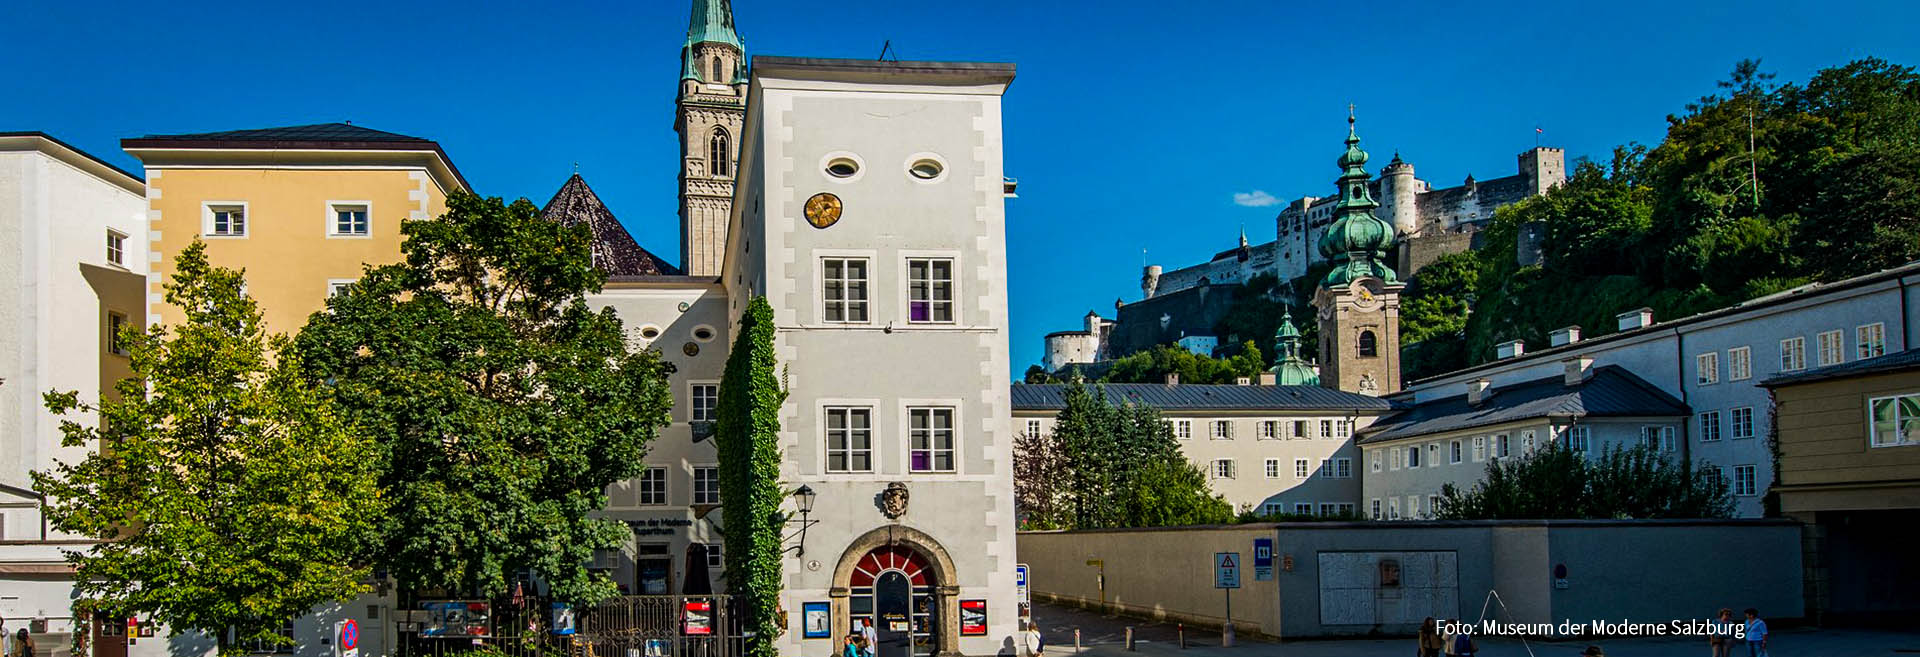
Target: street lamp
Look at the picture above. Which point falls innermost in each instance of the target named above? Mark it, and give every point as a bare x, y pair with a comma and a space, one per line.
802, 502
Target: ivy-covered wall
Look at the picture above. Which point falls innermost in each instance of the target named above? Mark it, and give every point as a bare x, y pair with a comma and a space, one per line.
747, 437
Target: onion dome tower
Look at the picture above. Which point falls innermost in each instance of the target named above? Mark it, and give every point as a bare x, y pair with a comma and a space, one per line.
1359, 300
1288, 368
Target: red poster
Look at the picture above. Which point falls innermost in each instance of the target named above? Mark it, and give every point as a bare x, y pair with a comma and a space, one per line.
973, 617
699, 618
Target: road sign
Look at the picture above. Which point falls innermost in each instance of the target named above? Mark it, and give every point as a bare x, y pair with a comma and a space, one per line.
1226, 570
349, 644
1262, 559
1020, 587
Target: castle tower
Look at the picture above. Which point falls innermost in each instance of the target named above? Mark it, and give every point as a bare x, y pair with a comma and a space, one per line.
1545, 168
1398, 185
712, 106
1358, 303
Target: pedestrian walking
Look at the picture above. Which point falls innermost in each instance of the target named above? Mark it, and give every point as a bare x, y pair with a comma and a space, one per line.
1756, 634
1463, 645
23, 644
1034, 641
852, 647
1720, 637
869, 638
5, 648
1430, 641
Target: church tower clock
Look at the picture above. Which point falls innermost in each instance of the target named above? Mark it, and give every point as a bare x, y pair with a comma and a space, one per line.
711, 108
1358, 303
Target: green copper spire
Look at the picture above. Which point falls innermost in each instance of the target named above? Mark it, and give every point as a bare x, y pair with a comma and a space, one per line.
712, 22
1358, 243
1288, 368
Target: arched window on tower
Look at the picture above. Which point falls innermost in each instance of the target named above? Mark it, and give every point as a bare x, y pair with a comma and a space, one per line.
719, 155
1368, 348
714, 76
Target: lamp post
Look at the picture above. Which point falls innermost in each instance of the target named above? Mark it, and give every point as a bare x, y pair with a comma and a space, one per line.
803, 502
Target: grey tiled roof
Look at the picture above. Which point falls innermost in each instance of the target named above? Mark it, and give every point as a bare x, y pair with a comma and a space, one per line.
1894, 362
340, 132
1610, 391
1182, 397
614, 250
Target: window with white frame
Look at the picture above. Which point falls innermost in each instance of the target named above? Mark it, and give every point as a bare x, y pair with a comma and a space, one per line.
843, 290
1742, 422
1501, 446
849, 439
1793, 354
348, 220
226, 220
1578, 438
1479, 448
1326, 467
1223, 468
705, 402
1374, 505
1433, 505
1300, 468
1273, 468
930, 431
1342, 428
1269, 429
706, 485
1221, 430
1739, 363
1393, 508
1413, 456
1526, 442
1303, 508
1833, 348
1433, 454
1376, 460
116, 247
1033, 428
1706, 368
716, 555
1326, 429
1659, 439
1453, 451
1709, 426
1327, 509
1413, 506
1343, 468
1182, 429
338, 286
653, 486
1744, 483
930, 290
1271, 509
1895, 420
1300, 429
1871, 340
1344, 509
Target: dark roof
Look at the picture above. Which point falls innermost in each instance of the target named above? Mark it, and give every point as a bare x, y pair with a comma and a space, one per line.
62, 144
1001, 71
1894, 362
319, 132
1775, 299
614, 250
1186, 397
1610, 391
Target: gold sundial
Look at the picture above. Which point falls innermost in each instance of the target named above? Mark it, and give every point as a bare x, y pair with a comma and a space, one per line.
823, 209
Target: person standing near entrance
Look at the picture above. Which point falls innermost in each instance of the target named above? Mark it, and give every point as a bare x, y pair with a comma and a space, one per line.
23, 644
852, 648
1033, 639
870, 637
1430, 642
1756, 634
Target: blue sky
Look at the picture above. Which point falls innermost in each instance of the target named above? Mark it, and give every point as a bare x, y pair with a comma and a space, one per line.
1132, 124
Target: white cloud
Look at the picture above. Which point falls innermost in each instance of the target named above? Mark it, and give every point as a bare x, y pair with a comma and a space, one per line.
1254, 199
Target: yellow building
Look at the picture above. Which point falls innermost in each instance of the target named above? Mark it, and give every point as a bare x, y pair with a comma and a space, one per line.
301, 209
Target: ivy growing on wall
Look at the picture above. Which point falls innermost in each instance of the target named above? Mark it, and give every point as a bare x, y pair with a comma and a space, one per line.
747, 436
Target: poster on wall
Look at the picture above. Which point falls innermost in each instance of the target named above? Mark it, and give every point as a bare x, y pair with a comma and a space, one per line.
813, 620
699, 618
973, 617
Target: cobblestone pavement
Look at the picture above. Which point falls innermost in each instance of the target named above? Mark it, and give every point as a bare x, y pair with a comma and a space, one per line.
1103, 636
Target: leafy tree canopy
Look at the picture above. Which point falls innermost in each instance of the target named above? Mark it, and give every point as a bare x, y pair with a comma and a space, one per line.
1110, 466
501, 404
1555, 482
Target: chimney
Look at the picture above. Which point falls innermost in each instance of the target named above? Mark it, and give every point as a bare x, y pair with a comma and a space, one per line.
1578, 369
1510, 349
1565, 336
1267, 378
1477, 391
1243, 381
1635, 319
1173, 378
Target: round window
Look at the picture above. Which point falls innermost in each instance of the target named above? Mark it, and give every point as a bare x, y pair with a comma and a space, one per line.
925, 169
650, 332
703, 333
842, 167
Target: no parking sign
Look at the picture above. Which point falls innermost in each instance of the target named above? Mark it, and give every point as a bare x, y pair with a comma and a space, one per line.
349, 643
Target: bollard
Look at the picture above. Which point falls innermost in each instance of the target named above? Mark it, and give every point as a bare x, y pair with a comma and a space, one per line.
1183, 635
1076, 640
1130, 638
1226, 636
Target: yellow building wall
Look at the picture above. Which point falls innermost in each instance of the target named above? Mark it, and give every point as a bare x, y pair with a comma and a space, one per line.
287, 254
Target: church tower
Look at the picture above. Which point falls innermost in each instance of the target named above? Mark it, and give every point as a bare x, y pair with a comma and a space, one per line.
711, 108
1359, 301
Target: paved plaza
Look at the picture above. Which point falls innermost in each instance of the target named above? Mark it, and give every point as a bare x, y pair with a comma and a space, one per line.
1105, 635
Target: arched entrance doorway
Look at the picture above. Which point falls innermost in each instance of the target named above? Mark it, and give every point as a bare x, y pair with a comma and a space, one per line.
902, 581
892, 589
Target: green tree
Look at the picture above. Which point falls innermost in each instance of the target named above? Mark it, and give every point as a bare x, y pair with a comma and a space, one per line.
502, 405
1153, 366
1555, 482
1111, 466
227, 492
747, 437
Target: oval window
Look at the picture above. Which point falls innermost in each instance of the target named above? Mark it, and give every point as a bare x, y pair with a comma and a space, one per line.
842, 168
649, 333
925, 169
703, 334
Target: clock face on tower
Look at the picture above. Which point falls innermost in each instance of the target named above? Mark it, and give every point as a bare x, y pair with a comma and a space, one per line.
1366, 294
